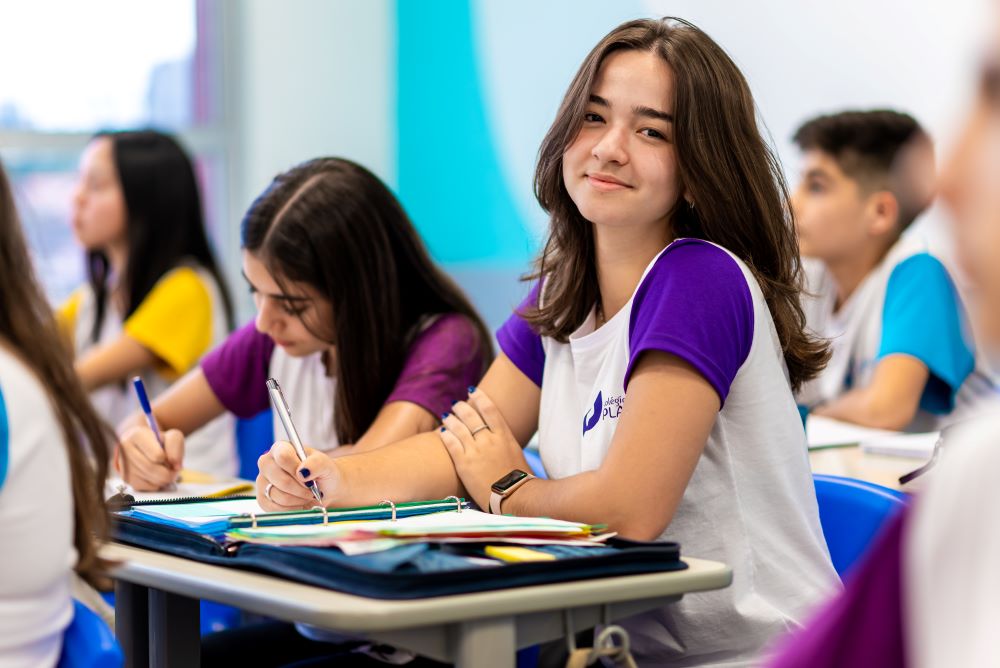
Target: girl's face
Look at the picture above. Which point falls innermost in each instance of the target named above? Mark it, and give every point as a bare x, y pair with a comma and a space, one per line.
969, 188
282, 314
99, 211
621, 170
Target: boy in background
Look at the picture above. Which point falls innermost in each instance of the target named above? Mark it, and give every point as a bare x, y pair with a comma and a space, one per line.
902, 356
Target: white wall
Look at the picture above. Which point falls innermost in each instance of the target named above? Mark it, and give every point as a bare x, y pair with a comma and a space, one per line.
308, 78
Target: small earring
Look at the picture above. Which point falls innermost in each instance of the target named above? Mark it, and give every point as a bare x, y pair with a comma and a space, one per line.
691, 205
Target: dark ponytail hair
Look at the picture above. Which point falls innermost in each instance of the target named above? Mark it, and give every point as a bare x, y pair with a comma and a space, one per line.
165, 226
334, 225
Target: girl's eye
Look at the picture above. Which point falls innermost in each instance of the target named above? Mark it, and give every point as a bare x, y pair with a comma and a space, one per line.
591, 117
652, 134
815, 188
291, 309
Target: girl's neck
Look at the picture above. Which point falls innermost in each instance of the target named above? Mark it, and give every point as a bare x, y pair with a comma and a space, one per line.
622, 255
117, 255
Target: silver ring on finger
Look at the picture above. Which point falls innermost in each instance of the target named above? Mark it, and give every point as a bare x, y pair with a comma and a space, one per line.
267, 492
479, 429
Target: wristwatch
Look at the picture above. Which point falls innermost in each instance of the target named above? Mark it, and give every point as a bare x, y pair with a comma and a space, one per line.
505, 486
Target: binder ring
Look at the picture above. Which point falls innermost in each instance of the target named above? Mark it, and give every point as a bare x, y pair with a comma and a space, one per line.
458, 502
326, 515
392, 506
253, 520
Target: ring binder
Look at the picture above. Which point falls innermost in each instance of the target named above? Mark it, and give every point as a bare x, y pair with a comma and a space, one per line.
326, 514
392, 506
458, 502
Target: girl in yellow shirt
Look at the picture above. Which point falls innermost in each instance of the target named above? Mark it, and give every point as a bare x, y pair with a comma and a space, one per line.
155, 300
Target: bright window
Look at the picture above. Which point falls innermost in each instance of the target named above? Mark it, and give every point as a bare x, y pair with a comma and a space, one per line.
69, 69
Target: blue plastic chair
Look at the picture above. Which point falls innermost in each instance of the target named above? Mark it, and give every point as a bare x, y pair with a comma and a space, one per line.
535, 462
253, 437
88, 642
851, 512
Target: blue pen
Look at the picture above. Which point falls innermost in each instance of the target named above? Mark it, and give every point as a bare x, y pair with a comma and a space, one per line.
140, 391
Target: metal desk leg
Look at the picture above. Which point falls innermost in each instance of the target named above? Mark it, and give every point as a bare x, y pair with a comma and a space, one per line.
174, 630
132, 622
485, 643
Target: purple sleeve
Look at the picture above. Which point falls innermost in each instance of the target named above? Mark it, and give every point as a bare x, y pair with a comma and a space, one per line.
237, 371
694, 303
521, 343
442, 362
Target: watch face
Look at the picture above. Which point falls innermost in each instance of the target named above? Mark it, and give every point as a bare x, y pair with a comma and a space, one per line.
504, 483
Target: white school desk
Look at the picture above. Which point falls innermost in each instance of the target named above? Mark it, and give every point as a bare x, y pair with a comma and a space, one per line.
157, 613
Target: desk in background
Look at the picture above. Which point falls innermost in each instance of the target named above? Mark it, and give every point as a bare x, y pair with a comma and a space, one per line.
157, 609
852, 462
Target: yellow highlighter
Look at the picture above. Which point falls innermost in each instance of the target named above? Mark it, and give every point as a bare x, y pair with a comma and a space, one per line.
514, 553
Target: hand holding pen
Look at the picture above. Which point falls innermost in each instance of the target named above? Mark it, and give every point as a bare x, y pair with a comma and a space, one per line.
147, 458
285, 415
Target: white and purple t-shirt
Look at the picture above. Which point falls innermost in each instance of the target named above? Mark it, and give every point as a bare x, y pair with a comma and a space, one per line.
444, 359
750, 502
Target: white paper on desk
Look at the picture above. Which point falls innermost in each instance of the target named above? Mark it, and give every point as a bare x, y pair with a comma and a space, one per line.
917, 446
823, 432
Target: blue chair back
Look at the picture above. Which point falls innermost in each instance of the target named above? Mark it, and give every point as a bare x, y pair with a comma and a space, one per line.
253, 437
535, 462
88, 642
851, 512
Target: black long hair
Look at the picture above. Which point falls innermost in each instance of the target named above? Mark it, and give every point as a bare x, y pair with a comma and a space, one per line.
334, 225
165, 226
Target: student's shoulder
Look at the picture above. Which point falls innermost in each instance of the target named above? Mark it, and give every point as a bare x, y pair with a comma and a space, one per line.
183, 280
21, 394
694, 270
449, 336
692, 260
922, 267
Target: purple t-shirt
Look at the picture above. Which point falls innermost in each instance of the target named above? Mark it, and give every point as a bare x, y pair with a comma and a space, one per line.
443, 361
693, 303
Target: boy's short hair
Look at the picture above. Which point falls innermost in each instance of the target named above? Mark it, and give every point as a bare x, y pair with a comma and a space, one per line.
868, 146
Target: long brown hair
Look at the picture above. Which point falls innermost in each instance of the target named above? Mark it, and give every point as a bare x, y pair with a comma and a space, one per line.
27, 324
334, 225
724, 163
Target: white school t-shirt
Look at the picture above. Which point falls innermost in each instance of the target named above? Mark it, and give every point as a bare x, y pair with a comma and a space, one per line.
36, 522
907, 304
750, 502
187, 295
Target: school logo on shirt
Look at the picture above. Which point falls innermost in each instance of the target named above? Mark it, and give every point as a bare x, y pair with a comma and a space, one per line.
610, 409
